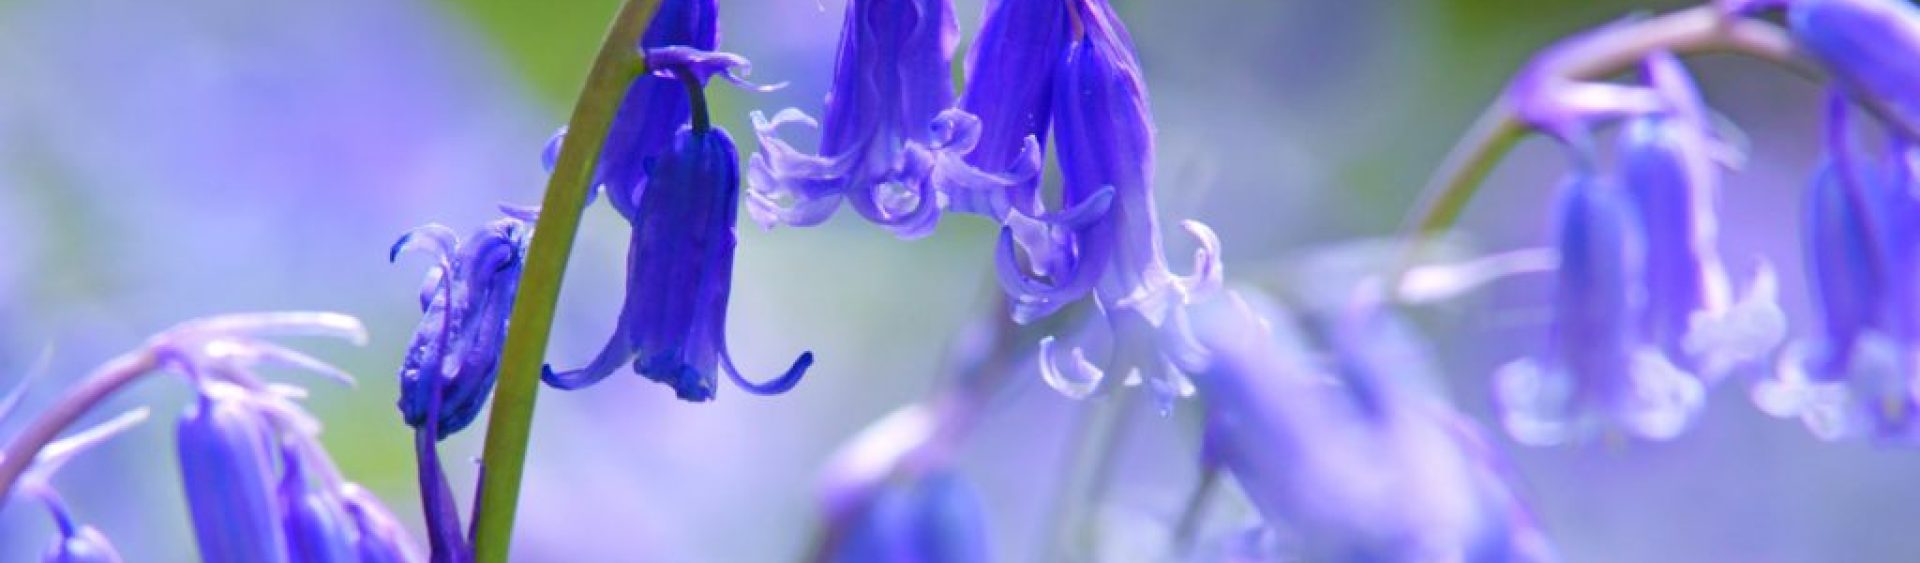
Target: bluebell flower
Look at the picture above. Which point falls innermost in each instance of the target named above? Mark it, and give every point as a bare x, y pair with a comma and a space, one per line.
933, 518
1855, 377
466, 300
76, 543
879, 141
258, 485
1343, 454
654, 108
1105, 240
1669, 165
672, 327
1871, 46
1010, 92
1598, 369
226, 465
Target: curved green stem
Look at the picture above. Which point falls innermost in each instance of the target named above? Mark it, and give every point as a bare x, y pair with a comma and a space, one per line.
1603, 52
509, 425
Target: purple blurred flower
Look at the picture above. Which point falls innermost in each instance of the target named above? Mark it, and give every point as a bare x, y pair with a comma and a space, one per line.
879, 140
672, 326
1598, 369
1106, 241
1871, 46
655, 107
1670, 168
1856, 377
934, 518
77, 543
245, 507
466, 299
1358, 466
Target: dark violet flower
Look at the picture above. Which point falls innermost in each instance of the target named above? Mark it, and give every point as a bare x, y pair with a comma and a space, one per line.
935, 518
672, 327
318, 527
1355, 465
1855, 377
879, 139
1871, 46
1598, 369
1669, 165
467, 298
654, 108
1010, 91
1106, 240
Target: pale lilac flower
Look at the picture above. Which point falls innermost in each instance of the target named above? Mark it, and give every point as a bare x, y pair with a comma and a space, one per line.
76, 543
1871, 46
1343, 455
932, 518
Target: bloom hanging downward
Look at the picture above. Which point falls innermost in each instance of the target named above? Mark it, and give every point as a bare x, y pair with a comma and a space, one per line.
1106, 240
454, 358
1670, 168
672, 327
1856, 377
77, 543
1360, 467
889, 142
1598, 369
1010, 91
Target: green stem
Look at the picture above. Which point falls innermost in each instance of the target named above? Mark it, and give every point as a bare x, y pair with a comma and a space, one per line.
509, 425
1603, 52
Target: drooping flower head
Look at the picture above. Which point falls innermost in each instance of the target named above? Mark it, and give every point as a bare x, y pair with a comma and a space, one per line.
672, 327
1856, 376
654, 108
258, 485
1105, 240
1344, 454
76, 542
454, 358
878, 136
1670, 164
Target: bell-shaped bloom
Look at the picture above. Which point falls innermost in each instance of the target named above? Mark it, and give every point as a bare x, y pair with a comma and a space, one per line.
318, 528
672, 327
379, 538
226, 463
454, 358
1670, 168
1855, 377
1871, 46
934, 518
1106, 239
1598, 369
1355, 462
1010, 92
654, 108
878, 148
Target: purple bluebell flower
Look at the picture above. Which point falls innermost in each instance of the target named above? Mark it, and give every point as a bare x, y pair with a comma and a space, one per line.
379, 537
1105, 240
1855, 377
1670, 165
1871, 46
467, 298
226, 464
879, 140
76, 543
654, 108
1343, 454
672, 327
1598, 369
934, 518
1010, 92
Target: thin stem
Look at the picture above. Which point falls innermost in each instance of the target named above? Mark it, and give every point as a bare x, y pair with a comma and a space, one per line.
511, 421
104, 381
1074, 532
1188, 526
1603, 52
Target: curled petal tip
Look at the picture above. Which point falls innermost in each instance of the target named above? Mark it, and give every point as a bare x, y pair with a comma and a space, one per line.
775, 386
431, 237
